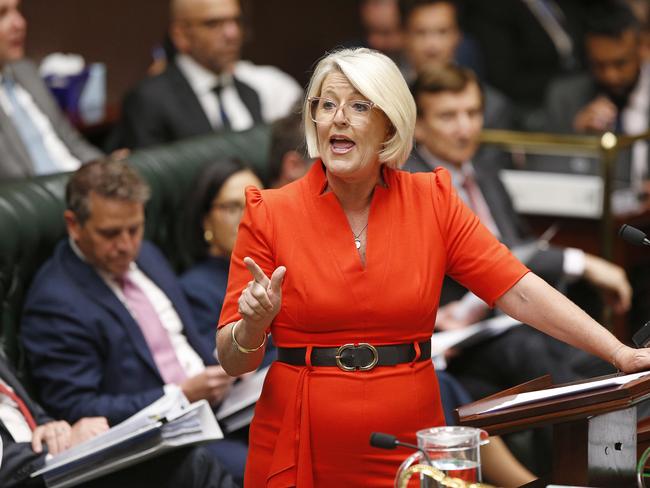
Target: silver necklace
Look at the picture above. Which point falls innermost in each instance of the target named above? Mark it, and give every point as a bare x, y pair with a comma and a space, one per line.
357, 240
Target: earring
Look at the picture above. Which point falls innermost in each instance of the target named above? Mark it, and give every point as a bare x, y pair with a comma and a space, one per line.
208, 236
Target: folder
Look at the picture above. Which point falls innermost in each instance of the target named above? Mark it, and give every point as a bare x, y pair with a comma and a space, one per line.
167, 424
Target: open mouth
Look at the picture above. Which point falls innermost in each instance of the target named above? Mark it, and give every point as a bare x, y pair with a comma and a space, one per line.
341, 144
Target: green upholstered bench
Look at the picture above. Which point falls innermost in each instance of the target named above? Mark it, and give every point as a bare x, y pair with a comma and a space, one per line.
31, 214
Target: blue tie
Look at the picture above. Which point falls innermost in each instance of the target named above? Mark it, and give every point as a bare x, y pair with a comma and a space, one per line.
225, 120
29, 133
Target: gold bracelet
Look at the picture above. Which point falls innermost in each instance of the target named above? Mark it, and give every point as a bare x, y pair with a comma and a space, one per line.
240, 348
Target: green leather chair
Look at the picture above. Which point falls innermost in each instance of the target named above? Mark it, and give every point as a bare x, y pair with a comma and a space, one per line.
31, 214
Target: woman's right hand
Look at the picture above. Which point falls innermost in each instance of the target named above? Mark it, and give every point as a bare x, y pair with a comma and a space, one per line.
261, 300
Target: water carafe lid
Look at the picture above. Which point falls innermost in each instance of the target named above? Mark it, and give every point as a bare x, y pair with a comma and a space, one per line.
439, 438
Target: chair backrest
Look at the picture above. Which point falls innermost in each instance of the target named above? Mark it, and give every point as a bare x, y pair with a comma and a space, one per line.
31, 214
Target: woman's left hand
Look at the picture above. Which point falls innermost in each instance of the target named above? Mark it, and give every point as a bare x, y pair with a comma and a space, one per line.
630, 360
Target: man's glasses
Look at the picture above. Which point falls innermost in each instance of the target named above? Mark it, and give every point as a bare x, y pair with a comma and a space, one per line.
216, 23
323, 110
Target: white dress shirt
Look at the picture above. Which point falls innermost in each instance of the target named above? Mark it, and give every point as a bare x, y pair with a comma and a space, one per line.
56, 149
277, 91
635, 121
13, 419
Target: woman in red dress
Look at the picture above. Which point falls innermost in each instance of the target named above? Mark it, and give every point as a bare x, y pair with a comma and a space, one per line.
344, 267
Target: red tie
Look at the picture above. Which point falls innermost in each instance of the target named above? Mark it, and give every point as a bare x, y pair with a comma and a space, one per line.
21, 406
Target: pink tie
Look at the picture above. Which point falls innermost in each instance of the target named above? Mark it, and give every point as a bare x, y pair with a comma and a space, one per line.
477, 203
154, 333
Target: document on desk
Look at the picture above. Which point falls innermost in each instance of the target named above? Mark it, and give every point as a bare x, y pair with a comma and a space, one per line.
236, 411
166, 424
533, 396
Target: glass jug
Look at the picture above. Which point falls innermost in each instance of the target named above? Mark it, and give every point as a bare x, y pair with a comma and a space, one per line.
453, 450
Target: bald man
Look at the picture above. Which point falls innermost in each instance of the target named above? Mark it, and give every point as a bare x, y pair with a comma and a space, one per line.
207, 87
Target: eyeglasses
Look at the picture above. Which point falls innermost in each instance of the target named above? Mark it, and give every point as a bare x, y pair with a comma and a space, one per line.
231, 209
216, 23
323, 110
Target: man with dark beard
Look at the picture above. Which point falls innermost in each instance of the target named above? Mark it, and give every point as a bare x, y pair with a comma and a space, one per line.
614, 95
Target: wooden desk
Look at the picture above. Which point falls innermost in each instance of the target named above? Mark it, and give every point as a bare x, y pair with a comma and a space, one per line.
594, 431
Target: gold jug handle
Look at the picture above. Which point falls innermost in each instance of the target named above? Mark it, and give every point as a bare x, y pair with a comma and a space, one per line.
440, 477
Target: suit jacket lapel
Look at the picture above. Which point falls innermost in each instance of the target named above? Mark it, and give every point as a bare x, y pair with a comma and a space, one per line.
15, 146
95, 288
251, 100
187, 102
19, 155
416, 162
26, 77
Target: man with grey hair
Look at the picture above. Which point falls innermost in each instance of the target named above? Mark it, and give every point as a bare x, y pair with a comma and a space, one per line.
106, 326
206, 87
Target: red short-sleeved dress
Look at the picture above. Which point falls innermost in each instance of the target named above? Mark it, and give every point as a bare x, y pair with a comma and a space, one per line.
312, 424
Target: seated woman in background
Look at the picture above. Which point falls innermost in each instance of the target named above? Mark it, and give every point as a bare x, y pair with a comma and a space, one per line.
214, 213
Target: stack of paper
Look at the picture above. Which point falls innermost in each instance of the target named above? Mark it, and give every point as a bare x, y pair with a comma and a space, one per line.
560, 391
166, 424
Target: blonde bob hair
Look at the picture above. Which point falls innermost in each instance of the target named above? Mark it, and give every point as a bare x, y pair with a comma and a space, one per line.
377, 78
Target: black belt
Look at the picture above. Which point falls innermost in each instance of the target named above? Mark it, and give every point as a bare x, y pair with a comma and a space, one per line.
352, 357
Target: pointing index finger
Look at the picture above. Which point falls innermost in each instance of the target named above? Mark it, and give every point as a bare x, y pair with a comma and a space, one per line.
256, 271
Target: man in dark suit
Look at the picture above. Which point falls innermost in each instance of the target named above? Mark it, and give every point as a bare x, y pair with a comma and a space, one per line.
35, 137
613, 96
24, 450
206, 87
607, 98
106, 326
448, 127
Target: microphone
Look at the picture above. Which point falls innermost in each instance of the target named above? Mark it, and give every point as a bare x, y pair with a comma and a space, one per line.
387, 441
633, 235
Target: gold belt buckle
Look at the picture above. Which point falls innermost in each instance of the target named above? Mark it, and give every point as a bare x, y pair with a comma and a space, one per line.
367, 367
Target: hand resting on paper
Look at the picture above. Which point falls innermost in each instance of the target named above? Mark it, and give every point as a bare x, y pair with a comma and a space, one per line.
212, 385
60, 435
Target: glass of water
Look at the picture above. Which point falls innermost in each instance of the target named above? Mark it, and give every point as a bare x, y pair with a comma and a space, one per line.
454, 450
